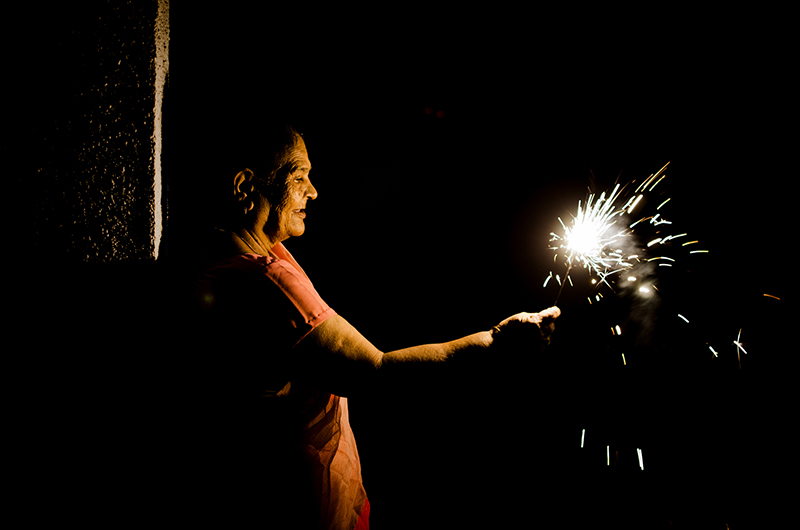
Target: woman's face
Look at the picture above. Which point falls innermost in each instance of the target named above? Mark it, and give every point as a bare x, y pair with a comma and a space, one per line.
287, 199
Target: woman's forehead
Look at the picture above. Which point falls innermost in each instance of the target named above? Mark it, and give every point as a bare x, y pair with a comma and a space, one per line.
298, 155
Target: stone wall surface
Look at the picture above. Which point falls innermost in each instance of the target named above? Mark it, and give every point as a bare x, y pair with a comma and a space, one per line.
89, 83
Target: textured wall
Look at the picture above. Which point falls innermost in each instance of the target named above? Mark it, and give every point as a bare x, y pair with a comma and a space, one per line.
92, 108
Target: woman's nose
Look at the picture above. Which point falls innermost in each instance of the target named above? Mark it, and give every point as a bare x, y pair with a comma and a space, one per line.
311, 192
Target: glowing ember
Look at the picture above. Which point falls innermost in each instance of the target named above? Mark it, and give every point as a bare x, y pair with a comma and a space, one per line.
738, 343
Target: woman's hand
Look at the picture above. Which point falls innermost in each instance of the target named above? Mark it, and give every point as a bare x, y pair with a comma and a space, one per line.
525, 330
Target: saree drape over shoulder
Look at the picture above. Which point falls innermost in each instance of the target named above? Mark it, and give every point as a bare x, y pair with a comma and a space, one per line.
273, 449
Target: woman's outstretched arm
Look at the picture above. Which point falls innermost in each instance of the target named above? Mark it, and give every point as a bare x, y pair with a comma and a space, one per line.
338, 358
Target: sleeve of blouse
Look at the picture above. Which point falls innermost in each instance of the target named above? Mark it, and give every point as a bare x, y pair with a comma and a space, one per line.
265, 294
311, 309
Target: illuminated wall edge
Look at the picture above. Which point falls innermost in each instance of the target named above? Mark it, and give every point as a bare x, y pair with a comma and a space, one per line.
161, 69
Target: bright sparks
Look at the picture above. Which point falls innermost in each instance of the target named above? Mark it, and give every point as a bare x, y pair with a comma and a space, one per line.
738, 343
739, 348
607, 239
592, 239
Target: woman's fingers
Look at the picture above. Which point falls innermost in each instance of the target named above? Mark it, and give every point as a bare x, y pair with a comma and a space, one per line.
527, 327
551, 312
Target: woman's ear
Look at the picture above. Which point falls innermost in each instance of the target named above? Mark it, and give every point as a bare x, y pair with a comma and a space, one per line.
242, 186
243, 182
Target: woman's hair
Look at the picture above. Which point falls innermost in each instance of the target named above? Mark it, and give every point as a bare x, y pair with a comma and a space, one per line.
264, 149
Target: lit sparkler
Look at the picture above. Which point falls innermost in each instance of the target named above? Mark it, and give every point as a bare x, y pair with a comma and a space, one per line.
599, 238
592, 239
596, 236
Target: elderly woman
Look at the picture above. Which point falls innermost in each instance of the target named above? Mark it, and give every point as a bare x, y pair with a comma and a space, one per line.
278, 396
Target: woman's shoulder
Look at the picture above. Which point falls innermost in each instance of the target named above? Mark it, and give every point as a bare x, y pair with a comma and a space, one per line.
262, 285
250, 262
219, 249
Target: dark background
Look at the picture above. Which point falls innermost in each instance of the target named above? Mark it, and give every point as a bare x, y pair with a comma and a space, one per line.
445, 145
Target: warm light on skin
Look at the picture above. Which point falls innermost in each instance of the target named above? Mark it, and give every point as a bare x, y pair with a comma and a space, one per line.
276, 212
295, 193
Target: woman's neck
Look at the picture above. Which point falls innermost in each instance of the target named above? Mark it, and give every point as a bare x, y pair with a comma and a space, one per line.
223, 244
247, 242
